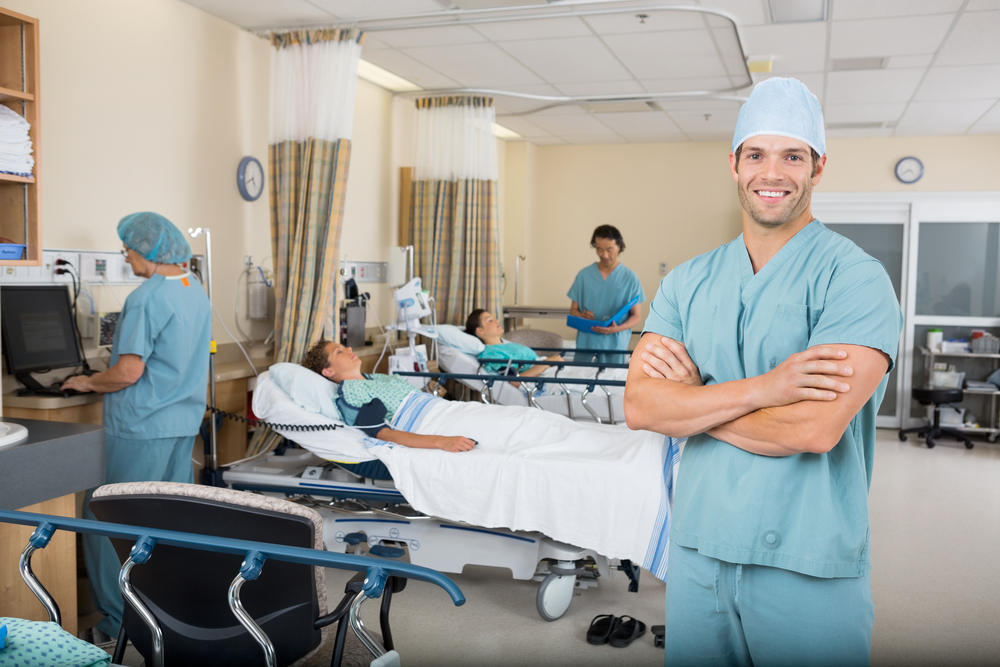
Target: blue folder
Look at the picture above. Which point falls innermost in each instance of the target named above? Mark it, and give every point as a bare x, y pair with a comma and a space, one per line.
584, 324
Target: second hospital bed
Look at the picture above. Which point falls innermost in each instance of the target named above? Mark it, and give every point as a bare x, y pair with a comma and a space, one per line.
577, 496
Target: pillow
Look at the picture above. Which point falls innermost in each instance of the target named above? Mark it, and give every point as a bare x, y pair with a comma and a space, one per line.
310, 391
456, 337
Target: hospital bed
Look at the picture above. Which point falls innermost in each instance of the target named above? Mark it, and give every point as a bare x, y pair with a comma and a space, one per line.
158, 619
603, 402
363, 511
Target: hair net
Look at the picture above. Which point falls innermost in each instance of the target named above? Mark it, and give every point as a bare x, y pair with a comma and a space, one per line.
154, 237
785, 108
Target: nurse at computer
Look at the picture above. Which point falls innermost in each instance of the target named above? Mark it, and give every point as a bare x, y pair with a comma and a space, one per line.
155, 386
601, 290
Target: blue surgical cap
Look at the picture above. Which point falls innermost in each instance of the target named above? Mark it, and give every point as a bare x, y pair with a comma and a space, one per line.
154, 237
785, 108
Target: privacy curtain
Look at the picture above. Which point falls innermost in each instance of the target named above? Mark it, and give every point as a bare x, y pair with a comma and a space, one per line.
454, 224
313, 84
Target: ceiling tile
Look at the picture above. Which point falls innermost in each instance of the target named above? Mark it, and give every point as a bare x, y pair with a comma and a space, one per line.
980, 5
887, 37
941, 114
718, 122
373, 43
863, 113
264, 14
656, 138
523, 127
684, 84
866, 9
992, 117
640, 122
798, 47
549, 141
568, 59
601, 88
745, 13
931, 131
443, 36
356, 9
576, 124
872, 86
413, 71
656, 21
700, 106
859, 132
684, 53
538, 29
979, 128
960, 83
904, 62
475, 65
974, 41
587, 139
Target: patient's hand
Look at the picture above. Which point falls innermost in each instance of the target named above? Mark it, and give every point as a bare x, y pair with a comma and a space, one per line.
669, 360
555, 357
455, 443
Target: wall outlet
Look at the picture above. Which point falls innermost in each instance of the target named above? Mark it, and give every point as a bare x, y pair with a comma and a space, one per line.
663, 268
50, 266
364, 272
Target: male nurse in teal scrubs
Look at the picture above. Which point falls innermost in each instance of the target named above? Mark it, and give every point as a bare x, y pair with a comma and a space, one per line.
771, 354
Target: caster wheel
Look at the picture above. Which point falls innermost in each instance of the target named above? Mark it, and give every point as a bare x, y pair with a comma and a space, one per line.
930, 443
902, 437
992, 437
554, 596
968, 444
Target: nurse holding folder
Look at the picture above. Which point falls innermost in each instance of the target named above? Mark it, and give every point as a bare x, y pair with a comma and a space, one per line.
600, 293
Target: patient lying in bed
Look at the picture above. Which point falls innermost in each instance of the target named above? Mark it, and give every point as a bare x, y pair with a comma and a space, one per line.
592, 485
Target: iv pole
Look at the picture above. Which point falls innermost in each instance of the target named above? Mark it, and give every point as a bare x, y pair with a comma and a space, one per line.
210, 472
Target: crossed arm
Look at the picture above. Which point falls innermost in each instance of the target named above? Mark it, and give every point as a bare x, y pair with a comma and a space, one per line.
803, 405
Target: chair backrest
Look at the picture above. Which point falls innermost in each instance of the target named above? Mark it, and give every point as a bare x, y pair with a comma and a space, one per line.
186, 589
535, 338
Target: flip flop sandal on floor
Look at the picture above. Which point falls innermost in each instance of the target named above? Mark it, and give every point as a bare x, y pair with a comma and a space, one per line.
628, 630
601, 628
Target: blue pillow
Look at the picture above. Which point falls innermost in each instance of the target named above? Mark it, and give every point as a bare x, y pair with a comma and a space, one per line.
452, 336
310, 391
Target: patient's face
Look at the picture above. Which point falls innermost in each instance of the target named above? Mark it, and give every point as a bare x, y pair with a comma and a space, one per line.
343, 362
488, 326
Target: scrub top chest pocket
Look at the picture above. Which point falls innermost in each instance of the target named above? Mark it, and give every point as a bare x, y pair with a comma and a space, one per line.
789, 334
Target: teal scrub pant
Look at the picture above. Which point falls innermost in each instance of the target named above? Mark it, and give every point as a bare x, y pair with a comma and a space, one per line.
160, 460
720, 613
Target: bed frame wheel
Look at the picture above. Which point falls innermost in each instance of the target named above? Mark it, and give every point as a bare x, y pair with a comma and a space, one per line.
554, 596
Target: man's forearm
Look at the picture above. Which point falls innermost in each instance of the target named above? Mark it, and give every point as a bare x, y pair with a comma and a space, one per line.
679, 410
782, 431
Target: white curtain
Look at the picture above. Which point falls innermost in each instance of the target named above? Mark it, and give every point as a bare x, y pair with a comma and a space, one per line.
313, 83
453, 139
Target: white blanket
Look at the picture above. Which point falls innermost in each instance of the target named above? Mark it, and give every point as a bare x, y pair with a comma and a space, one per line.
601, 487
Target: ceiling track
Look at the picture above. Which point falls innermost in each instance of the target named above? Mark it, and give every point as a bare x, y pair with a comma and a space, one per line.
460, 17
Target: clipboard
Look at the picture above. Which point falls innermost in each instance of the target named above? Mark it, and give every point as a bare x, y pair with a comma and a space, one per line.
584, 325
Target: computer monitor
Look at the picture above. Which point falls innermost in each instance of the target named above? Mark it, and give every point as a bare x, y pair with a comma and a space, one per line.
39, 331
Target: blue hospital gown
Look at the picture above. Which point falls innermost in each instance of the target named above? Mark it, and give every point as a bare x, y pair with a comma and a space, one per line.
604, 298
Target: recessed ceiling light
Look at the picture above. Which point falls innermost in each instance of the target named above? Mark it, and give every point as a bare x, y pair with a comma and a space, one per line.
873, 125
501, 132
384, 78
851, 64
797, 11
758, 65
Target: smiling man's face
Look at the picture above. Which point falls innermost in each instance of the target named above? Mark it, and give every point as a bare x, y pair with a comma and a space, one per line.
775, 178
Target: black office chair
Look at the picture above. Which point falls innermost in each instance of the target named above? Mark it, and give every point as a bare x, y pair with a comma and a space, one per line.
186, 589
937, 398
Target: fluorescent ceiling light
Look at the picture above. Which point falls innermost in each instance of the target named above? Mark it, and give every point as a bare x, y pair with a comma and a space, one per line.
501, 132
759, 65
797, 11
384, 78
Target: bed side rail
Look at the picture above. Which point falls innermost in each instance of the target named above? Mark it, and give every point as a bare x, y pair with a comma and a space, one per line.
255, 554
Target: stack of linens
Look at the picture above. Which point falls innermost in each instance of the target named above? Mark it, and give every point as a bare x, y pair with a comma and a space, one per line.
15, 145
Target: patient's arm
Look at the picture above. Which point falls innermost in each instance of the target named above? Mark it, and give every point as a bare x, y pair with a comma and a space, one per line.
417, 441
679, 409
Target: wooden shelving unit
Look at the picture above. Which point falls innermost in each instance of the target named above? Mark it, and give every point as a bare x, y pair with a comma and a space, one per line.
20, 199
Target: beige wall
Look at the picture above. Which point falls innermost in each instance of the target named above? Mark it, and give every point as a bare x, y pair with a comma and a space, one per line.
675, 201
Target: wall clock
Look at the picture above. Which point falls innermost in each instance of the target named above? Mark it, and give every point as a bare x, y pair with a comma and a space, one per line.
250, 178
909, 170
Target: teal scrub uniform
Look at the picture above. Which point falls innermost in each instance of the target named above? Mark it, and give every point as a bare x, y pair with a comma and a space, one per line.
149, 427
604, 297
806, 513
505, 351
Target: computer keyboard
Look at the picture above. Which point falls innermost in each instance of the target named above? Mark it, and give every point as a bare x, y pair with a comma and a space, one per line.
53, 390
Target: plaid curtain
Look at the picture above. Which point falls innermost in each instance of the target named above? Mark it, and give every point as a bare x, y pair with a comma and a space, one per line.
309, 155
455, 230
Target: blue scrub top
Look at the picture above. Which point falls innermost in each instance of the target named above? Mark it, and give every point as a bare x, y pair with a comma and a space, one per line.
167, 322
604, 298
809, 512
